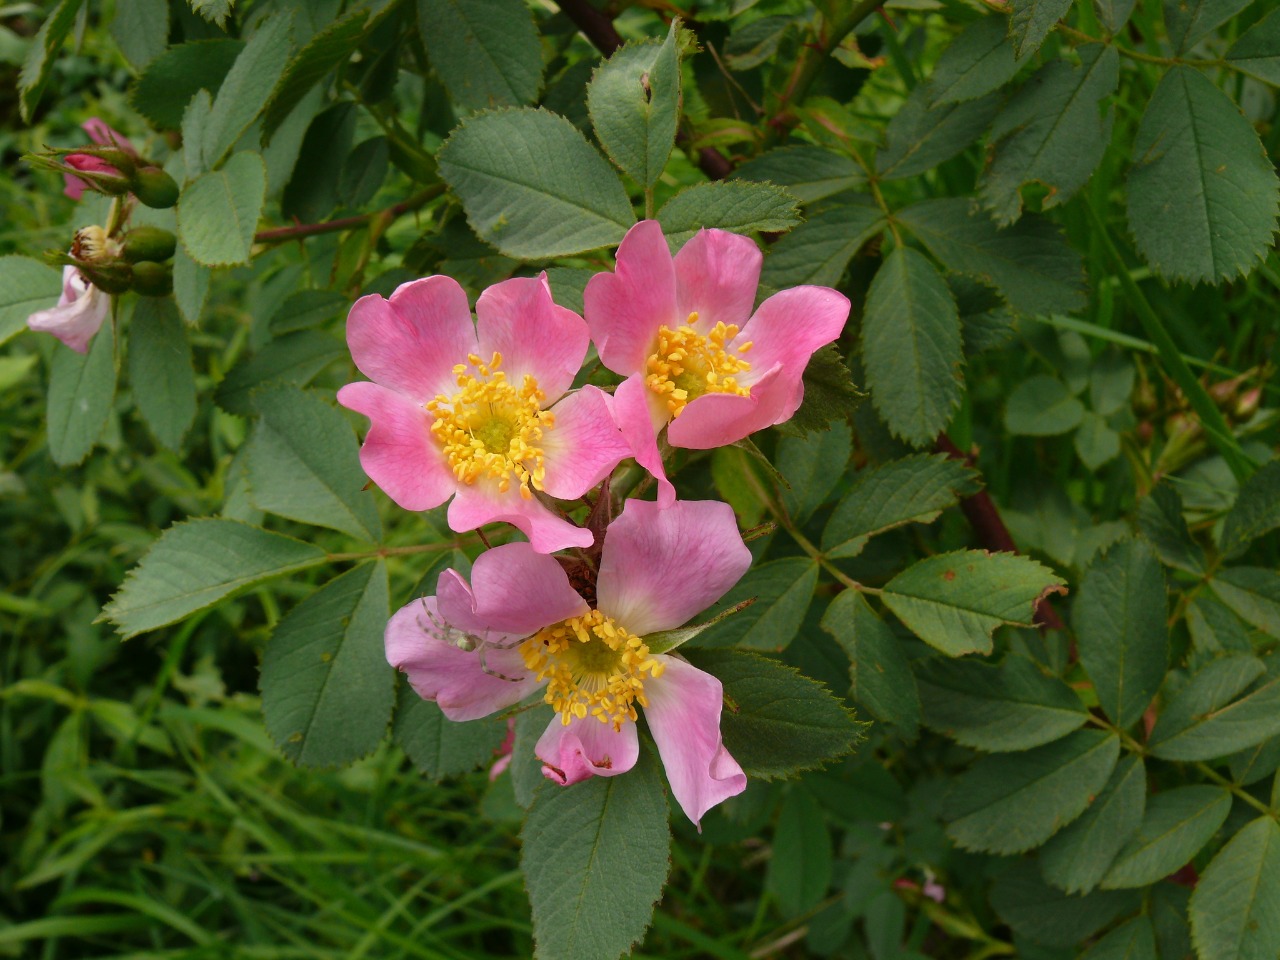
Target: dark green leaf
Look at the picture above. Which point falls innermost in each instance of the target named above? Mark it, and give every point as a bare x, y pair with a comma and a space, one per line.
782, 590
737, 205
42, 54
438, 746
829, 394
160, 370
813, 465
978, 61
1204, 721
26, 285
809, 173
818, 250
82, 388
215, 11
1190, 21
1161, 521
219, 212
312, 191
1214, 628
800, 869
1077, 858
190, 286
172, 79
141, 30
922, 134
1031, 20
293, 358
486, 51
1257, 52
1254, 594
1049, 916
308, 308
1255, 513
247, 86
1177, 824
878, 670
1133, 940
1096, 443
1235, 909
363, 172
1042, 407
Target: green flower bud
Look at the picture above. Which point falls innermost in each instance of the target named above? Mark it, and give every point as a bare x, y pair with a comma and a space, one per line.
154, 187
148, 243
152, 279
112, 278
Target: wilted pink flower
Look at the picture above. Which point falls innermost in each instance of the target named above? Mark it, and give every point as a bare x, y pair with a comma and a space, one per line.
520, 625
479, 411
696, 358
100, 134
78, 315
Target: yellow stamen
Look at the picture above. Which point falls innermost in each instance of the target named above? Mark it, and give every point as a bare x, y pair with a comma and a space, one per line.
593, 667
686, 364
491, 429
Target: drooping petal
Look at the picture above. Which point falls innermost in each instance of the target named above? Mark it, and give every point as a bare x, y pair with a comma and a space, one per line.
716, 419
79, 314
659, 566
583, 446
454, 678
399, 454
411, 342
684, 717
625, 308
535, 335
789, 326
481, 502
639, 414
586, 748
717, 273
514, 591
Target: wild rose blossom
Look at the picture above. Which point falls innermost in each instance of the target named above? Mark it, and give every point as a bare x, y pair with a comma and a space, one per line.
79, 312
526, 628
102, 135
696, 358
479, 411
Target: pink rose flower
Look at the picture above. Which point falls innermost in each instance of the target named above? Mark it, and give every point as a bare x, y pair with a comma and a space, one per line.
78, 315
102, 135
696, 358
479, 411
520, 626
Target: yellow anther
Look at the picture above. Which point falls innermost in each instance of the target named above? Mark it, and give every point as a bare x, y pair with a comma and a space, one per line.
686, 364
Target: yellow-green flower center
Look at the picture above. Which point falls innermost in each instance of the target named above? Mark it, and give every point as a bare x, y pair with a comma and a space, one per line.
686, 364
593, 667
492, 429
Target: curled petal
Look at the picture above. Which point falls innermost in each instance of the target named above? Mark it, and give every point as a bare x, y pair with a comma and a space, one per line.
481, 502
102, 134
586, 748
660, 566
584, 446
684, 717
514, 591
789, 326
717, 273
639, 414
535, 336
716, 419
78, 315
625, 308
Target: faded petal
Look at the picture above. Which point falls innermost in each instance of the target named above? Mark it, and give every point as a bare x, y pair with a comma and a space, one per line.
586, 748
639, 414
624, 309
717, 273
660, 566
684, 717
535, 335
584, 445
481, 502
514, 591
78, 315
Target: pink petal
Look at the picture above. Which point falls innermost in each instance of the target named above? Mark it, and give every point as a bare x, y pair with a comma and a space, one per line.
518, 319
716, 419
482, 503
74, 187
640, 414
684, 718
103, 135
411, 342
789, 327
659, 566
399, 454
79, 314
514, 591
455, 679
717, 273
625, 308
586, 748
584, 445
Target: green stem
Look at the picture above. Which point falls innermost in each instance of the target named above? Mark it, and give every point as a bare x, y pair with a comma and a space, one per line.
1237, 791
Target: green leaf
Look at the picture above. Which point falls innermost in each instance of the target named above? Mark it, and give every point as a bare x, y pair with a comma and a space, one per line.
190, 286
1204, 721
326, 687
1178, 823
308, 308
219, 212
1049, 916
1042, 407
173, 78
829, 394
1190, 21
954, 601
247, 86
438, 746
161, 374
1111, 378
1114, 14
82, 388
532, 186
1203, 194
819, 250
26, 285
194, 120
1215, 629
1077, 858
915, 489
1254, 594
1257, 52
197, 563
800, 869
293, 358
1029, 263
878, 670
312, 190
42, 54
304, 464
634, 102
485, 51
776, 721
1030, 22
813, 465
1161, 521
807, 172
1014, 705
215, 11
977, 62
141, 30
1050, 132
1235, 908
364, 172
1013, 802
737, 205
1096, 443
1132, 940
782, 590
1256, 511
922, 134
584, 906
911, 347
1120, 620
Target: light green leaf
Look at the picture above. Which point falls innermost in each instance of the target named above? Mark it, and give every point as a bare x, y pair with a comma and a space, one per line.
1177, 824
1257, 52
219, 212
1204, 721
1190, 21
190, 286
194, 120
42, 54
1256, 511
954, 601
799, 872
215, 11
304, 464
1042, 407
197, 563
141, 30
782, 590
1235, 908
1049, 916
584, 906
737, 205
807, 172
246, 88
1030, 22
922, 134
82, 388
634, 102
26, 285
977, 62
915, 489
293, 358
326, 686
486, 51
1203, 194
881, 679
532, 186
1120, 620
1254, 594
911, 347
1013, 802
1161, 521
438, 746
813, 465
1077, 858
165, 88
818, 250
161, 374
1132, 940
